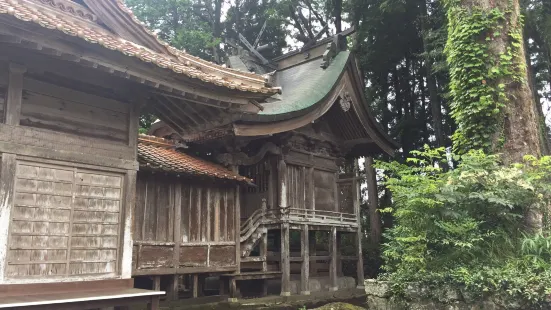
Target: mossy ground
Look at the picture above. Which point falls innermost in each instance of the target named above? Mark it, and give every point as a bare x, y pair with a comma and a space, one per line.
339, 306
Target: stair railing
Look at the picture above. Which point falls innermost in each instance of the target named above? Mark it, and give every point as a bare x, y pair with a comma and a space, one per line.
253, 222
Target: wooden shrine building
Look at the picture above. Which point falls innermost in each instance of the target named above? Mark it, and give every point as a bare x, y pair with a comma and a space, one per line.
74, 76
300, 152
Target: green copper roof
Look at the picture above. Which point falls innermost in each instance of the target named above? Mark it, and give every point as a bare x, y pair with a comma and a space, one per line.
303, 86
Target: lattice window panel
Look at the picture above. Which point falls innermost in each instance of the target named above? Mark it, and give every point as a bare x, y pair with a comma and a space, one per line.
260, 174
65, 222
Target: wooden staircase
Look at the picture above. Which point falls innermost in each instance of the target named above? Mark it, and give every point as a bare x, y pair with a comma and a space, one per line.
252, 231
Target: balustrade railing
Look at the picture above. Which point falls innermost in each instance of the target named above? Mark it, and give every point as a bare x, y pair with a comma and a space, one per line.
267, 216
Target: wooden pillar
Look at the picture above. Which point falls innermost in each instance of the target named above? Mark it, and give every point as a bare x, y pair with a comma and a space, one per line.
305, 268
310, 192
156, 283
264, 255
177, 204
282, 183
312, 250
195, 292
333, 266
359, 233
154, 305
7, 181
285, 261
237, 223
339, 254
12, 113
233, 290
173, 287
222, 283
129, 206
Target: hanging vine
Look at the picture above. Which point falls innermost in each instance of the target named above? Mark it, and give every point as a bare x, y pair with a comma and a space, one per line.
481, 70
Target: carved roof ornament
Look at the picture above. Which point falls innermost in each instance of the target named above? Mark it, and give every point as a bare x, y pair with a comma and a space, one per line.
241, 158
329, 54
346, 101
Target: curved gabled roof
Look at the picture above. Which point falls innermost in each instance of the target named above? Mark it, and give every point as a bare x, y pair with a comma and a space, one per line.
304, 86
311, 93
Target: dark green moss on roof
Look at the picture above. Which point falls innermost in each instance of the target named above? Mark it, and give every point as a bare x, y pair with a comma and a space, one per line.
304, 86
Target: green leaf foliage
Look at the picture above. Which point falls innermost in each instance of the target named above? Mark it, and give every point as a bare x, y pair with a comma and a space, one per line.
464, 226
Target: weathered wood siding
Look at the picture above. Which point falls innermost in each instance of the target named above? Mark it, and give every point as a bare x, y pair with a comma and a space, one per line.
65, 222
3, 88
296, 189
346, 196
61, 109
71, 157
182, 224
324, 189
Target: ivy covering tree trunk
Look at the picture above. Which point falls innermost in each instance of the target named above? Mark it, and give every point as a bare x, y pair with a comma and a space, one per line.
493, 104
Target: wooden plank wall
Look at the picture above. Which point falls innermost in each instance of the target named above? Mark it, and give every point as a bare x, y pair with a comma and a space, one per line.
61, 109
251, 197
206, 223
296, 189
346, 197
324, 189
3, 88
65, 222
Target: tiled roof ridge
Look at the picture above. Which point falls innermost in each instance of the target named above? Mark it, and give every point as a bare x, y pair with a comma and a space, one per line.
157, 141
181, 54
93, 33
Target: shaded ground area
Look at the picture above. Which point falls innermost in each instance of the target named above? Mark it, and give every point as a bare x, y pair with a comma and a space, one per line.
353, 297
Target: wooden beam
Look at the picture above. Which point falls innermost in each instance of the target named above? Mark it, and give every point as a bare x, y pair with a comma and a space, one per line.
183, 270
333, 265
7, 181
305, 268
193, 110
134, 124
171, 116
14, 95
182, 110
229, 106
285, 261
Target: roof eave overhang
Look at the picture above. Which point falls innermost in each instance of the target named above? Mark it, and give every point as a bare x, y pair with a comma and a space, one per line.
257, 125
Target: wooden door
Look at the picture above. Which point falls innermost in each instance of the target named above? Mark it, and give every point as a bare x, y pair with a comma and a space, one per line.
65, 222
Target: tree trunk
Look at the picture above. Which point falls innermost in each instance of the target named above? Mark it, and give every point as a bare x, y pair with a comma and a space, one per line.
375, 228
521, 126
338, 14
217, 29
517, 130
435, 106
